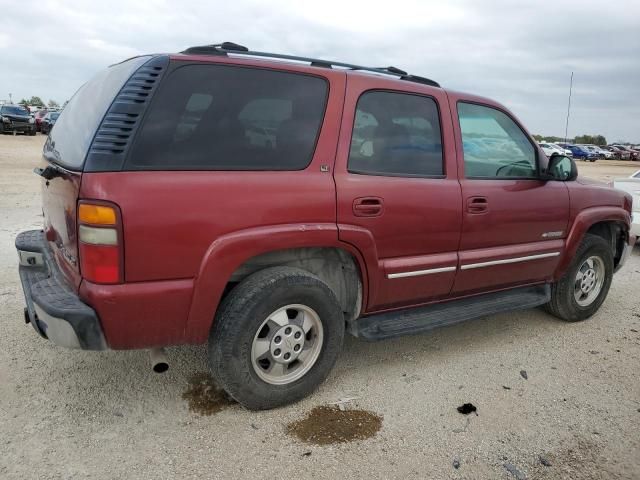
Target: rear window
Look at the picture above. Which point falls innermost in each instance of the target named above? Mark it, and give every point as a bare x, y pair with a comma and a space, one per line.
215, 117
75, 128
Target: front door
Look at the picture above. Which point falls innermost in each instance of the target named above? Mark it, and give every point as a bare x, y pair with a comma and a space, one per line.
514, 223
398, 195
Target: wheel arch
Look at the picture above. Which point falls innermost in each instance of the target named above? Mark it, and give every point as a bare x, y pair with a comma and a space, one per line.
334, 266
314, 248
609, 223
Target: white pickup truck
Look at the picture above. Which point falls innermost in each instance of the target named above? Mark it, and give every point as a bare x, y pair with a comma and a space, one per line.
631, 185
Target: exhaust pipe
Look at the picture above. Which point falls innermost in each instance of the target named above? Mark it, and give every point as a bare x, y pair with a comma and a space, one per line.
158, 358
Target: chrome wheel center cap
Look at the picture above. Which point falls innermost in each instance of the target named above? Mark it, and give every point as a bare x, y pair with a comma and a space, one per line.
287, 343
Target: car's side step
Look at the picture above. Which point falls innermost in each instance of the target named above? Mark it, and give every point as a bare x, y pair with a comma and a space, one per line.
421, 319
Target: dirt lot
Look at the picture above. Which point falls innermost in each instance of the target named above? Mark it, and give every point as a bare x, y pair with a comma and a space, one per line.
73, 414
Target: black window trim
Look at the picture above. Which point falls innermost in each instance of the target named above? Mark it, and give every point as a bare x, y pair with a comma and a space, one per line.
399, 175
177, 64
514, 120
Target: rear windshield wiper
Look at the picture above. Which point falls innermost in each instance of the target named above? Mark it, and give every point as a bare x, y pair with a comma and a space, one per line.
50, 172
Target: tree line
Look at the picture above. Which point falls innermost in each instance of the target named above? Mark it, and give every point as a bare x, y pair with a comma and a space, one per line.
37, 102
588, 139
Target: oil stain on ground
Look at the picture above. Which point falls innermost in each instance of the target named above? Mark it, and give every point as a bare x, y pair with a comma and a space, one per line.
204, 396
327, 425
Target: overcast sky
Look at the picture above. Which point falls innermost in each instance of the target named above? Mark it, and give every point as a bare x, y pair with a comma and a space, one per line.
519, 53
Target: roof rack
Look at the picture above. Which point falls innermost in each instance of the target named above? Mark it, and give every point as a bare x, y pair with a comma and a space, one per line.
235, 49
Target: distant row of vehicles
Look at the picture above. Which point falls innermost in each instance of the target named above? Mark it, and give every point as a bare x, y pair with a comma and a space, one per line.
591, 153
19, 119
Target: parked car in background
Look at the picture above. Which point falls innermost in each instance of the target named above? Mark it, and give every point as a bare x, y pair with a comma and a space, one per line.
38, 116
631, 185
550, 148
592, 149
582, 153
615, 153
156, 235
48, 122
16, 118
633, 155
602, 152
566, 151
622, 153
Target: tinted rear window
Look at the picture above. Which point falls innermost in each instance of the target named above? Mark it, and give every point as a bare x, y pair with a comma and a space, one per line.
396, 134
78, 122
214, 117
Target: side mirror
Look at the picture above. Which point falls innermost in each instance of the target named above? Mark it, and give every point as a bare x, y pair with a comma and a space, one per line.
561, 168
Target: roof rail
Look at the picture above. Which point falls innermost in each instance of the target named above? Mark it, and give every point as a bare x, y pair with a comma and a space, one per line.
235, 49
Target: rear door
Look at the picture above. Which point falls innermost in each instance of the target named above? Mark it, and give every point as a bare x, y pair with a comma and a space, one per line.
66, 148
398, 195
513, 223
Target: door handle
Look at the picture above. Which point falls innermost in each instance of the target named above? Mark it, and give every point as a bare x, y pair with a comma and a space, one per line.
477, 205
367, 207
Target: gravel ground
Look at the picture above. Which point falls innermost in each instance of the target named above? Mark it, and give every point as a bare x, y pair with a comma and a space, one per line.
73, 414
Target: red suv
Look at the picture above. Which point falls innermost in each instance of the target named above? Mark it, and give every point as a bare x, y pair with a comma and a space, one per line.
267, 204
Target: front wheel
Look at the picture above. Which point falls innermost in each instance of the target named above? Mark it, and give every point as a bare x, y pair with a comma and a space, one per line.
581, 291
275, 337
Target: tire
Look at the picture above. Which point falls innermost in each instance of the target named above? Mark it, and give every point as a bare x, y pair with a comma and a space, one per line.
241, 321
32, 132
592, 160
564, 303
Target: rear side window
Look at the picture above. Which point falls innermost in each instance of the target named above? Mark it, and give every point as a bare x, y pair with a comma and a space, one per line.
494, 145
396, 134
215, 117
68, 143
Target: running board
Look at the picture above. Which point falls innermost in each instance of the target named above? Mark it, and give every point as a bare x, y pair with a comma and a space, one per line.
422, 319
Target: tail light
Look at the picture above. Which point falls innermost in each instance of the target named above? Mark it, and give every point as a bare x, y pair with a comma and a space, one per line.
100, 242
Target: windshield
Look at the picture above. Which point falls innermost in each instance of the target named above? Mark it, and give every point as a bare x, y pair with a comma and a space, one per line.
14, 110
54, 116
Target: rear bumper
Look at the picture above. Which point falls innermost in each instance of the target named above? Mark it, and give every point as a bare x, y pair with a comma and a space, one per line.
54, 310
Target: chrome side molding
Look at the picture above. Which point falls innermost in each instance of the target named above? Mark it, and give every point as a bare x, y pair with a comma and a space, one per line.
528, 258
417, 273
470, 266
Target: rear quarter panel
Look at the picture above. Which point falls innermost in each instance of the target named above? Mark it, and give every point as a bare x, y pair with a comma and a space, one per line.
175, 221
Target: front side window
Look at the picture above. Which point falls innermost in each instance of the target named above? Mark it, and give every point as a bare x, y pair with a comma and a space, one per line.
396, 134
215, 117
494, 145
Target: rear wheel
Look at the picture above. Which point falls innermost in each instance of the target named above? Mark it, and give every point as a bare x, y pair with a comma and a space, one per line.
276, 337
581, 291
